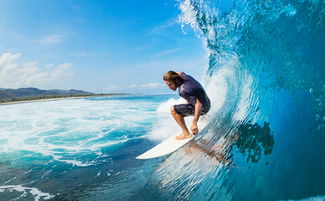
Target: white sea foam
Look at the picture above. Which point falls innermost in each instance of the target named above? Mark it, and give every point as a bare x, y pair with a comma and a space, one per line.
244, 103
188, 15
314, 198
216, 89
9, 180
165, 126
65, 129
164, 107
36, 193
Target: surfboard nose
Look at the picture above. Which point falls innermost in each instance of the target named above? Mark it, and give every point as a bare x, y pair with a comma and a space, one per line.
166, 147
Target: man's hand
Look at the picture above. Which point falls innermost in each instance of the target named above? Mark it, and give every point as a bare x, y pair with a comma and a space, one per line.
194, 128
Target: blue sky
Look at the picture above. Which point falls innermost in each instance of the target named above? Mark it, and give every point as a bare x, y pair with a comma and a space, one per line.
99, 46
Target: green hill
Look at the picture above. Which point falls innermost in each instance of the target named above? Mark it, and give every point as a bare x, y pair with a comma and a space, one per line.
21, 94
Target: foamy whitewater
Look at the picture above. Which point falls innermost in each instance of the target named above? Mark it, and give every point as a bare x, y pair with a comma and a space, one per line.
263, 138
45, 143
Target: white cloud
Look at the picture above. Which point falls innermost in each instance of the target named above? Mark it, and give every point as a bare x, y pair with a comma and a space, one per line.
148, 85
14, 74
52, 39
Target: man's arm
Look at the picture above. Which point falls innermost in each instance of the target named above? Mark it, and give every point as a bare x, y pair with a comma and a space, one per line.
197, 112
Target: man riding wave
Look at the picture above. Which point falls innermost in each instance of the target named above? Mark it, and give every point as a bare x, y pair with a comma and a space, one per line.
198, 103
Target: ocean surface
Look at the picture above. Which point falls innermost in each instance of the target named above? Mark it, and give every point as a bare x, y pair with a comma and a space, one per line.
264, 138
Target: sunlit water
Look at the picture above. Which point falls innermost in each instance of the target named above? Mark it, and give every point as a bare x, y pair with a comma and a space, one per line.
264, 138
58, 149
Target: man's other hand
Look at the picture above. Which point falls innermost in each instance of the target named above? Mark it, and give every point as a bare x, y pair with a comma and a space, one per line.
194, 129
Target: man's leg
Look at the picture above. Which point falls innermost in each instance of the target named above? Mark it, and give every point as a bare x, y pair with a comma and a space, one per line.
180, 121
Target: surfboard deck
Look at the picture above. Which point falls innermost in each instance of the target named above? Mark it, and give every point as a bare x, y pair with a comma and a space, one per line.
166, 147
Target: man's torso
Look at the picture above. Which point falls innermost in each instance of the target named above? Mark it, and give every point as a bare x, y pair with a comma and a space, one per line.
191, 90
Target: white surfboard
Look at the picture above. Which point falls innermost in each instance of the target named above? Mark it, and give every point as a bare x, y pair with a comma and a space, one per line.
166, 147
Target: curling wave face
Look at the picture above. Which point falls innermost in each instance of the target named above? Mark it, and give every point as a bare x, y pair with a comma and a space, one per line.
265, 140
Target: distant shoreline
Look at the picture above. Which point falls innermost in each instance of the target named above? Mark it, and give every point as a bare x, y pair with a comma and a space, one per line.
58, 97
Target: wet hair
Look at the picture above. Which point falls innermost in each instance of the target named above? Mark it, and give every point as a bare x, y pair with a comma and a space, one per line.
173, 76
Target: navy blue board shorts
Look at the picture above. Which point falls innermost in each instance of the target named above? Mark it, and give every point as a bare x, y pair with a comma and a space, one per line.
188, 109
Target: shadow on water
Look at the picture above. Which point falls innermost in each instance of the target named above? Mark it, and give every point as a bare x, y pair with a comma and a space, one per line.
251, 140
254, 140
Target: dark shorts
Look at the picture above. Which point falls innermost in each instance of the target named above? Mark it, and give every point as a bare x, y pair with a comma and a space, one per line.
188, 109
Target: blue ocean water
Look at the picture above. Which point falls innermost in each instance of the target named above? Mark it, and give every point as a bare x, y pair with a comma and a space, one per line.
264, 139
54, 149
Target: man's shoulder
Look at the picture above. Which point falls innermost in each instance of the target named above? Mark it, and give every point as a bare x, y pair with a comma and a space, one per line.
183, 75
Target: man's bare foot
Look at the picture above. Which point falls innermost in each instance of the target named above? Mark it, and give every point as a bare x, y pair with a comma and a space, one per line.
183, 136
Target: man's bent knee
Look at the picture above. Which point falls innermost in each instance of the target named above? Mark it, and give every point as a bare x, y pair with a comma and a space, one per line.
172, 109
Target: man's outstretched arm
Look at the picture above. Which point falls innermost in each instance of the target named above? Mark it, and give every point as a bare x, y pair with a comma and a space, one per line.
197, 112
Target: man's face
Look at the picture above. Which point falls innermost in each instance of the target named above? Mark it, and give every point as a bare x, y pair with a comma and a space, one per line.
171, 85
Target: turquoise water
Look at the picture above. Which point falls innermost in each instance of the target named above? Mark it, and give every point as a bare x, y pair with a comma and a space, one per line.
264, 138
65, 149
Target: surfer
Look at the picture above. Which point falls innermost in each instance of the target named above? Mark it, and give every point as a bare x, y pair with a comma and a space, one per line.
197, 104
